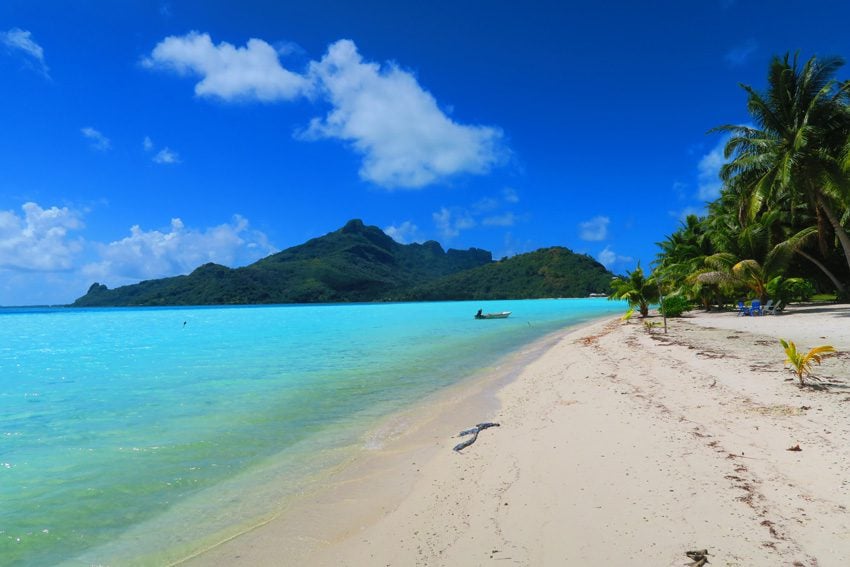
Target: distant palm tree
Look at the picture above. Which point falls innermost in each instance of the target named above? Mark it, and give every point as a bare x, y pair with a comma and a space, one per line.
793, 155
638, 290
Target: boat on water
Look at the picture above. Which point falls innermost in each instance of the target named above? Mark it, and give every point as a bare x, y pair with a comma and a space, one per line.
499, 315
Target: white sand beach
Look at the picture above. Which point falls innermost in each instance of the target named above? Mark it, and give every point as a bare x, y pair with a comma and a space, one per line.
615, 447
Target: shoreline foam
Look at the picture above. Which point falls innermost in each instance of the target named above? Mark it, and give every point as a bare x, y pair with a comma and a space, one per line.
616, 446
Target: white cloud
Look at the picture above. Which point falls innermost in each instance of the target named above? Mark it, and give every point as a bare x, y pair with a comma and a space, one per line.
609, 258
97, 139
39, 240
21, 41
505, 219
404, 233
156, 254
708, 172
43, 262
450, 222
230, 73
595, 229
405, 139
166, 156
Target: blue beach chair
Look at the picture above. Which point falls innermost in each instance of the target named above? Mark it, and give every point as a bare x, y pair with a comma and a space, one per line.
743, 309
755, 308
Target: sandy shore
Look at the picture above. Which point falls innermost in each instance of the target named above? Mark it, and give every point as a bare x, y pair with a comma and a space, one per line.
616, 447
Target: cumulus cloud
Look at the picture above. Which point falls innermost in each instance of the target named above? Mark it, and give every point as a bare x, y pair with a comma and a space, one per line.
39, 240
97, 140
155, 254
405, 139
166, 156
450, 222
404, 233
20, 42
43, 261
147, 144
708, 172
228, 72
595, 229
609, 258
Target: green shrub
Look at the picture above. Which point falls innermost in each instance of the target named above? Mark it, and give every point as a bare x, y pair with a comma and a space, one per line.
799, 289
790, 289
675, 305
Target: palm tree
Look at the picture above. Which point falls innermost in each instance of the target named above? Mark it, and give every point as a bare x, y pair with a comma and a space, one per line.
793, 156
638, 290
684, 255
796, 244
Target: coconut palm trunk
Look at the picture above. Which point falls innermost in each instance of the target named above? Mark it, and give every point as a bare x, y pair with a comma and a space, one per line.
843, 238
835, 281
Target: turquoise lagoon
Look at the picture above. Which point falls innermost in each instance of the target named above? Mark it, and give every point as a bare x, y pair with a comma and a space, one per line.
140, 435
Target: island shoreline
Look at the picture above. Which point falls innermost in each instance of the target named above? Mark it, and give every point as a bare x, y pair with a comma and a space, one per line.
610, 437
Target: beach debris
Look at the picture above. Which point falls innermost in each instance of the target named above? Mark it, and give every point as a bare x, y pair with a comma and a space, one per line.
700, 557
794, 448
474, 432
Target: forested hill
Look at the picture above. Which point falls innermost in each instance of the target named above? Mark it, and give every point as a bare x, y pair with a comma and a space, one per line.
361, 263
548, 272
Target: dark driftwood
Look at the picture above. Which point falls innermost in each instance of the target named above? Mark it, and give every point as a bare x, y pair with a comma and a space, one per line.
700, 557
474, 432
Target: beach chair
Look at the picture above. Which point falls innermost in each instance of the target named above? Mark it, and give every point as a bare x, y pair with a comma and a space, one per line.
755, 307
774, 309
767, 306
743, 309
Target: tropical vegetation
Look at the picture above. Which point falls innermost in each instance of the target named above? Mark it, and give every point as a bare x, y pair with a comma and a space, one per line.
800, 362
779, 229
635, 288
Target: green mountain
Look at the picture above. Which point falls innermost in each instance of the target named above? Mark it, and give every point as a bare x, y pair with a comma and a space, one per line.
548, 272
361, 263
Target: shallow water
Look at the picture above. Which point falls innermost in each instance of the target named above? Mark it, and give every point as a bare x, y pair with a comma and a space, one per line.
137, 435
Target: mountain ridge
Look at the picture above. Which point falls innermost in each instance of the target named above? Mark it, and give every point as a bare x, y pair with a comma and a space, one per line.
360, 263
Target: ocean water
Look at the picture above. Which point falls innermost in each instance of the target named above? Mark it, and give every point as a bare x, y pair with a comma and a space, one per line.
137, 436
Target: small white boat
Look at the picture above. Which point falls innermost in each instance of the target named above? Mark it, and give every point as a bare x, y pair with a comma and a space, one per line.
499, 315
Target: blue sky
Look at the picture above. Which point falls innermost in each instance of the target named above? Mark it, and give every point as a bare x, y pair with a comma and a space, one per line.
141, 139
